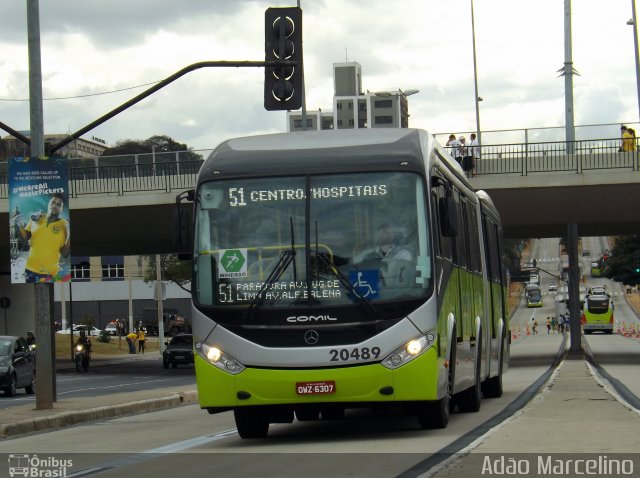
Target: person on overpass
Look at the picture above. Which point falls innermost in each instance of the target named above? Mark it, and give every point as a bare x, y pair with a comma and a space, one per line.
628, 140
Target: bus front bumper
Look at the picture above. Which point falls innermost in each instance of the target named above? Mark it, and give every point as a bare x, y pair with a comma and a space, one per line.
371, 383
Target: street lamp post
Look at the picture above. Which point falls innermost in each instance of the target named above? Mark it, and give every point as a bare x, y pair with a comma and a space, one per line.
475, 78
633, 22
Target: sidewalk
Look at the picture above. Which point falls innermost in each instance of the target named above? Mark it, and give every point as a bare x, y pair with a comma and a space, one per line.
25, 418
574, 414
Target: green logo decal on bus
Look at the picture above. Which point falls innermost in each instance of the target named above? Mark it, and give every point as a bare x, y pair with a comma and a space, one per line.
233, 263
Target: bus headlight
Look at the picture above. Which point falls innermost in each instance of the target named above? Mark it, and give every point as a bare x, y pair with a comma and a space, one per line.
218, 358
409, 351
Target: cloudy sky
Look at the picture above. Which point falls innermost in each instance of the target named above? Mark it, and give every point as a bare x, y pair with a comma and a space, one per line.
91, 48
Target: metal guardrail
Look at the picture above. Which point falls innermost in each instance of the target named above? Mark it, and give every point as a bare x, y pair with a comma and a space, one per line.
166, 172
555, 156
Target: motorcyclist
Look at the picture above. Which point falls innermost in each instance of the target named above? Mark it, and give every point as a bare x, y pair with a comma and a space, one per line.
31, 339
85, 341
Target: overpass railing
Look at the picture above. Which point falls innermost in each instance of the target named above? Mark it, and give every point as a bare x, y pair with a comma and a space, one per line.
554, 156
166, 172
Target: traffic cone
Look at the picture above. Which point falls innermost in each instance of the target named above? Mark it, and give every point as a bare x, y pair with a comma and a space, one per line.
528, 331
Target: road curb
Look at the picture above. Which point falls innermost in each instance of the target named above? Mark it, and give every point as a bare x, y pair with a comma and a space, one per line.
69, 418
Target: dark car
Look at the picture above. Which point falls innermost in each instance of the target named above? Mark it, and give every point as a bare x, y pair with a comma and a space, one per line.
179, 350
17, 365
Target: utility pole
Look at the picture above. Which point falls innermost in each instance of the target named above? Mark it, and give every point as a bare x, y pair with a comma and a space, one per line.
43, 293
477, 98
572, 229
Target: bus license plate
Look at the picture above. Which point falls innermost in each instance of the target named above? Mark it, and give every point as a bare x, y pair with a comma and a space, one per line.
315, 388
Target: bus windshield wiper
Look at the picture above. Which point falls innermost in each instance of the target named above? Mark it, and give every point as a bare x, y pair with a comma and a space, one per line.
286, 258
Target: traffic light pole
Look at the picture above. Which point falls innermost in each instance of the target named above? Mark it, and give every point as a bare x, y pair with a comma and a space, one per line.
158, 86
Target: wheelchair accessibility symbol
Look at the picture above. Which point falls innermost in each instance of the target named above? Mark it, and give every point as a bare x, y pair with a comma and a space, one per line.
365, 283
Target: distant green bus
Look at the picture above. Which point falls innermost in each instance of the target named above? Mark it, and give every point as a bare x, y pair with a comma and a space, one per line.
597, 314
533, 294
596, 269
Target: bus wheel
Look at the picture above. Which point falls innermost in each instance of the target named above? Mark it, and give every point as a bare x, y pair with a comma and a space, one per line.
332, 413
307, 414
436, 414
492, 387
251, 423
470, 399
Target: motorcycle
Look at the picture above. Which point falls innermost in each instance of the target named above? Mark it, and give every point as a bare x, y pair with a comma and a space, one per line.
82, 357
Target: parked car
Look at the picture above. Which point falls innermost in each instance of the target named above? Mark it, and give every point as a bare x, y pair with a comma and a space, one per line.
178, 351
17, 365
111, 328
553, 287
89, 330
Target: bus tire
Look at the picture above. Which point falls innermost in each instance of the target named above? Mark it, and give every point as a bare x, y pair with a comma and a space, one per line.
436, 414
492, 387
469, 400
307, 414
332, 413
251, 423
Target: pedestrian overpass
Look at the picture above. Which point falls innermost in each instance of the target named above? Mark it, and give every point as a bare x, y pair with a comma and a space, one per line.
125, 205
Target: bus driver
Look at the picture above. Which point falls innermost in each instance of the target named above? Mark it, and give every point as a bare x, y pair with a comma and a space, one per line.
385, 249
394, 259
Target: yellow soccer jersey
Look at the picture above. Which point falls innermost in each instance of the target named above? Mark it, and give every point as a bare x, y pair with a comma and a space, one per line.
46, 241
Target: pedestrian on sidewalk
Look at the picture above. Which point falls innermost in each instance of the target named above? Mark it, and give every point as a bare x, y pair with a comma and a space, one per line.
561, 324
131, 338
554, 323
548, 325
141, 339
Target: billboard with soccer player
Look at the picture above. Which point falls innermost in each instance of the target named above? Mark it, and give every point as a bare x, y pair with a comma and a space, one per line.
40, 234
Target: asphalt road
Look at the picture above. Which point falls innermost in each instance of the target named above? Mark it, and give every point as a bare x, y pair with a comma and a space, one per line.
117, 378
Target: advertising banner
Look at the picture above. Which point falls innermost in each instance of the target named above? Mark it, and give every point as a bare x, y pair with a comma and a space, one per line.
40, 235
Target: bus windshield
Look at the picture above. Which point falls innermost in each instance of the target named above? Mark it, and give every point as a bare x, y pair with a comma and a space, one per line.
316, 240
598, 305
534, 295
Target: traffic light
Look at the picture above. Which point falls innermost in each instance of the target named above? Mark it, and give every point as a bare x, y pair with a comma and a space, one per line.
283, 41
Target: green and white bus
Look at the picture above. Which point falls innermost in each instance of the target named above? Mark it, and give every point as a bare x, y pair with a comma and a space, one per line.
344, 269
533, 294
597, 313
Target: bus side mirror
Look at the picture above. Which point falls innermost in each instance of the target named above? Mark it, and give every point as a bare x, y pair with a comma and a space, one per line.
182, 224
448, 216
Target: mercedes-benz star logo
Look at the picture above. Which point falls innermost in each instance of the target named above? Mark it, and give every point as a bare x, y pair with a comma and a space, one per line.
311, 337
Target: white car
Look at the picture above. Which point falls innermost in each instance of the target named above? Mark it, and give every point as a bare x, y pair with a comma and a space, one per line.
92, 331
111, 328
553, 287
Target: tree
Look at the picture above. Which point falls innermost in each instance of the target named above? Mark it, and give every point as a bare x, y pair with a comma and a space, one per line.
171, 268
157, 143
623, 264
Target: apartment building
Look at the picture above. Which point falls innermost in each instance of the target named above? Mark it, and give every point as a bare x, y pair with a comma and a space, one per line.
354, 108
